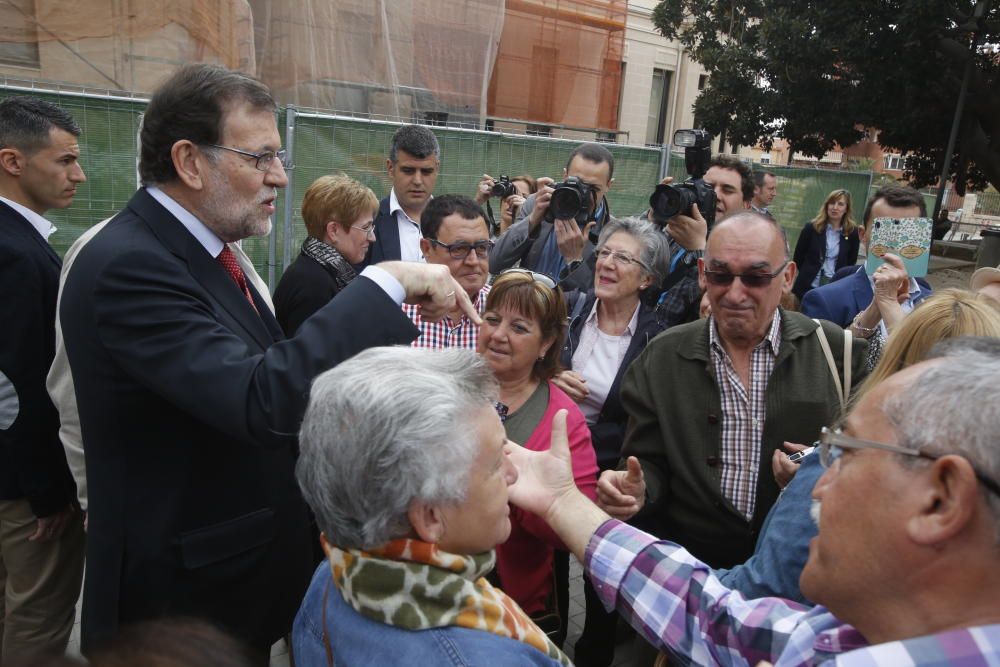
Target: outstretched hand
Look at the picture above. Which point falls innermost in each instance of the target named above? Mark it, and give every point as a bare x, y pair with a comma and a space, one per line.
433, 288
542, 477
622, 493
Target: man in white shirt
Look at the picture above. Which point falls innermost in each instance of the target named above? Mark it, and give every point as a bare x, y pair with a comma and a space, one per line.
41, 531
413, 165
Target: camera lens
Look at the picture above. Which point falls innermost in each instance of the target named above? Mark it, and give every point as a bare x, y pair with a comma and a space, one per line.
565, 203
669, 200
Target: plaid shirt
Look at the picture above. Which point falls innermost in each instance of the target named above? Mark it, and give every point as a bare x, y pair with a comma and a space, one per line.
679, 606
743, 412
446, 333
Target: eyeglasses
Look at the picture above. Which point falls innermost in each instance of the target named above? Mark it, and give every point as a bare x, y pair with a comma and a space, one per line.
833, 442
724, 278
263, 160
462, 249
367, 228
620, 257
537, 277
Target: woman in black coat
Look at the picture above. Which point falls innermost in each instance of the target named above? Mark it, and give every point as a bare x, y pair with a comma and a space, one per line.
609, 326
828, 242
339, 216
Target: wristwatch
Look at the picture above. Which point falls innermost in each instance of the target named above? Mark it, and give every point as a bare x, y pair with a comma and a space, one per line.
690, 257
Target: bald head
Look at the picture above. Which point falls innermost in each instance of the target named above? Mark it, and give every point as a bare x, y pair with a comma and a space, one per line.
751, 218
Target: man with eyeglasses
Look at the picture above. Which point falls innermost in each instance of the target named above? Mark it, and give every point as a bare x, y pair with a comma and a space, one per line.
189, 395
905, 567
710, 402
455, 234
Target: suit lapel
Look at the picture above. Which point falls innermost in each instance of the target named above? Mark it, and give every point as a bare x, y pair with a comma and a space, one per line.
20, 226
861, 289
204, 268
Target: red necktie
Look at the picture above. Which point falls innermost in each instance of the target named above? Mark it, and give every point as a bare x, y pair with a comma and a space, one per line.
228, 261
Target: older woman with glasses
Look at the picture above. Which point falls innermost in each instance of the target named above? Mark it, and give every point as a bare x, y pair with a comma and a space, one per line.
412, 502
828, 242
338, 212
608, 327
520, 338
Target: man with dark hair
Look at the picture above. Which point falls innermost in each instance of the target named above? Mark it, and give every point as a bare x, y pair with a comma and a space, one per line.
710, 402
189, 398
413, 165
41, 528
850, 300
560, 249
455, 234
677, 298
765, 189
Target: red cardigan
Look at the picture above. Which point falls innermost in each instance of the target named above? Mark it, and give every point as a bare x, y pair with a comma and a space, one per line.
524, 561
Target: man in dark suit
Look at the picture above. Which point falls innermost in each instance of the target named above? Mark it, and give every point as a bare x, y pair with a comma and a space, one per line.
41, 529
413, 165
849, 301
189, 399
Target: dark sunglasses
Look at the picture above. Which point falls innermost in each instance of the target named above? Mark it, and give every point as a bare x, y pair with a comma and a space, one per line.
462, 249
724, 278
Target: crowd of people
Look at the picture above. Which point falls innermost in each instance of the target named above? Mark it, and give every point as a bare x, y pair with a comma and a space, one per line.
393, 460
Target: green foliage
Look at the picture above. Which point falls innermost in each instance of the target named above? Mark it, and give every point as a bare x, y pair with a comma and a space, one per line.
813, 72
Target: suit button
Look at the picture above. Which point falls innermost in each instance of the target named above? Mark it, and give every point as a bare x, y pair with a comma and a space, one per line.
712, 461
713, 419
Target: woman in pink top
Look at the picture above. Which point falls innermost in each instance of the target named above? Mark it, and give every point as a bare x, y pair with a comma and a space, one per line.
520, 338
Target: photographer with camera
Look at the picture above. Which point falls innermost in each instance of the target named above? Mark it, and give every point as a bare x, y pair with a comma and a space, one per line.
511, 192
716, 188
551, 233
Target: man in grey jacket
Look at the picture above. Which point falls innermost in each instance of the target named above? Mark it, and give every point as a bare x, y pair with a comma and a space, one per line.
560, 249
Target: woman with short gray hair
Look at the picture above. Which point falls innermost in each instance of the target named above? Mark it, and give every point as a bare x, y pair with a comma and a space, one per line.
402, 463
609, 326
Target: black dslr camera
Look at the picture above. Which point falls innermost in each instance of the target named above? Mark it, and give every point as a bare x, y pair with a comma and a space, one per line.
571, 199
503, 188
674, 199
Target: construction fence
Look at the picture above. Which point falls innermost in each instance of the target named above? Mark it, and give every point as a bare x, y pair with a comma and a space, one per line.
323, 144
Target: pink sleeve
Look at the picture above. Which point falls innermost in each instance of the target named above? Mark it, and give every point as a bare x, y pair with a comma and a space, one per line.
581, 451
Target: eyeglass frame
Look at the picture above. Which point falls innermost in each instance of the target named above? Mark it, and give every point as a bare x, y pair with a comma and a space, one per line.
367, 229
537, 277
621, 256
485, 244
756, 280
830, 438
281, 154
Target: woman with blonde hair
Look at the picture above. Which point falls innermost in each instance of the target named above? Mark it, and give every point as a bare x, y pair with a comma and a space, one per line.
950, 313
339, 213
828, 242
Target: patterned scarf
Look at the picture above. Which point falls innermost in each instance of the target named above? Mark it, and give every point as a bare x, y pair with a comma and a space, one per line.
329, 258
414, 585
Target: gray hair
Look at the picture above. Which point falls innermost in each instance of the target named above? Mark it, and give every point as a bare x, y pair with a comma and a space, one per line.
749, 215
389, 426
416, 140
942, 412
655, 249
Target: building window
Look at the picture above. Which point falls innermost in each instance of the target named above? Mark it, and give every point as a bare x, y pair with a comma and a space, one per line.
893, 162
18, 36
765, 158
656, 119
702, 81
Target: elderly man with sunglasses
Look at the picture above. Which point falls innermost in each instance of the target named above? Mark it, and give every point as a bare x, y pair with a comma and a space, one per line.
905, 566
711, 401
454, 233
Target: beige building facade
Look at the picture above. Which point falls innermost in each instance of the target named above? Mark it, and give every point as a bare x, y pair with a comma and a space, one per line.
660, 82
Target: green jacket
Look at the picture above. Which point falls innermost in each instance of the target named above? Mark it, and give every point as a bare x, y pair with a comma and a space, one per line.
675, 429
